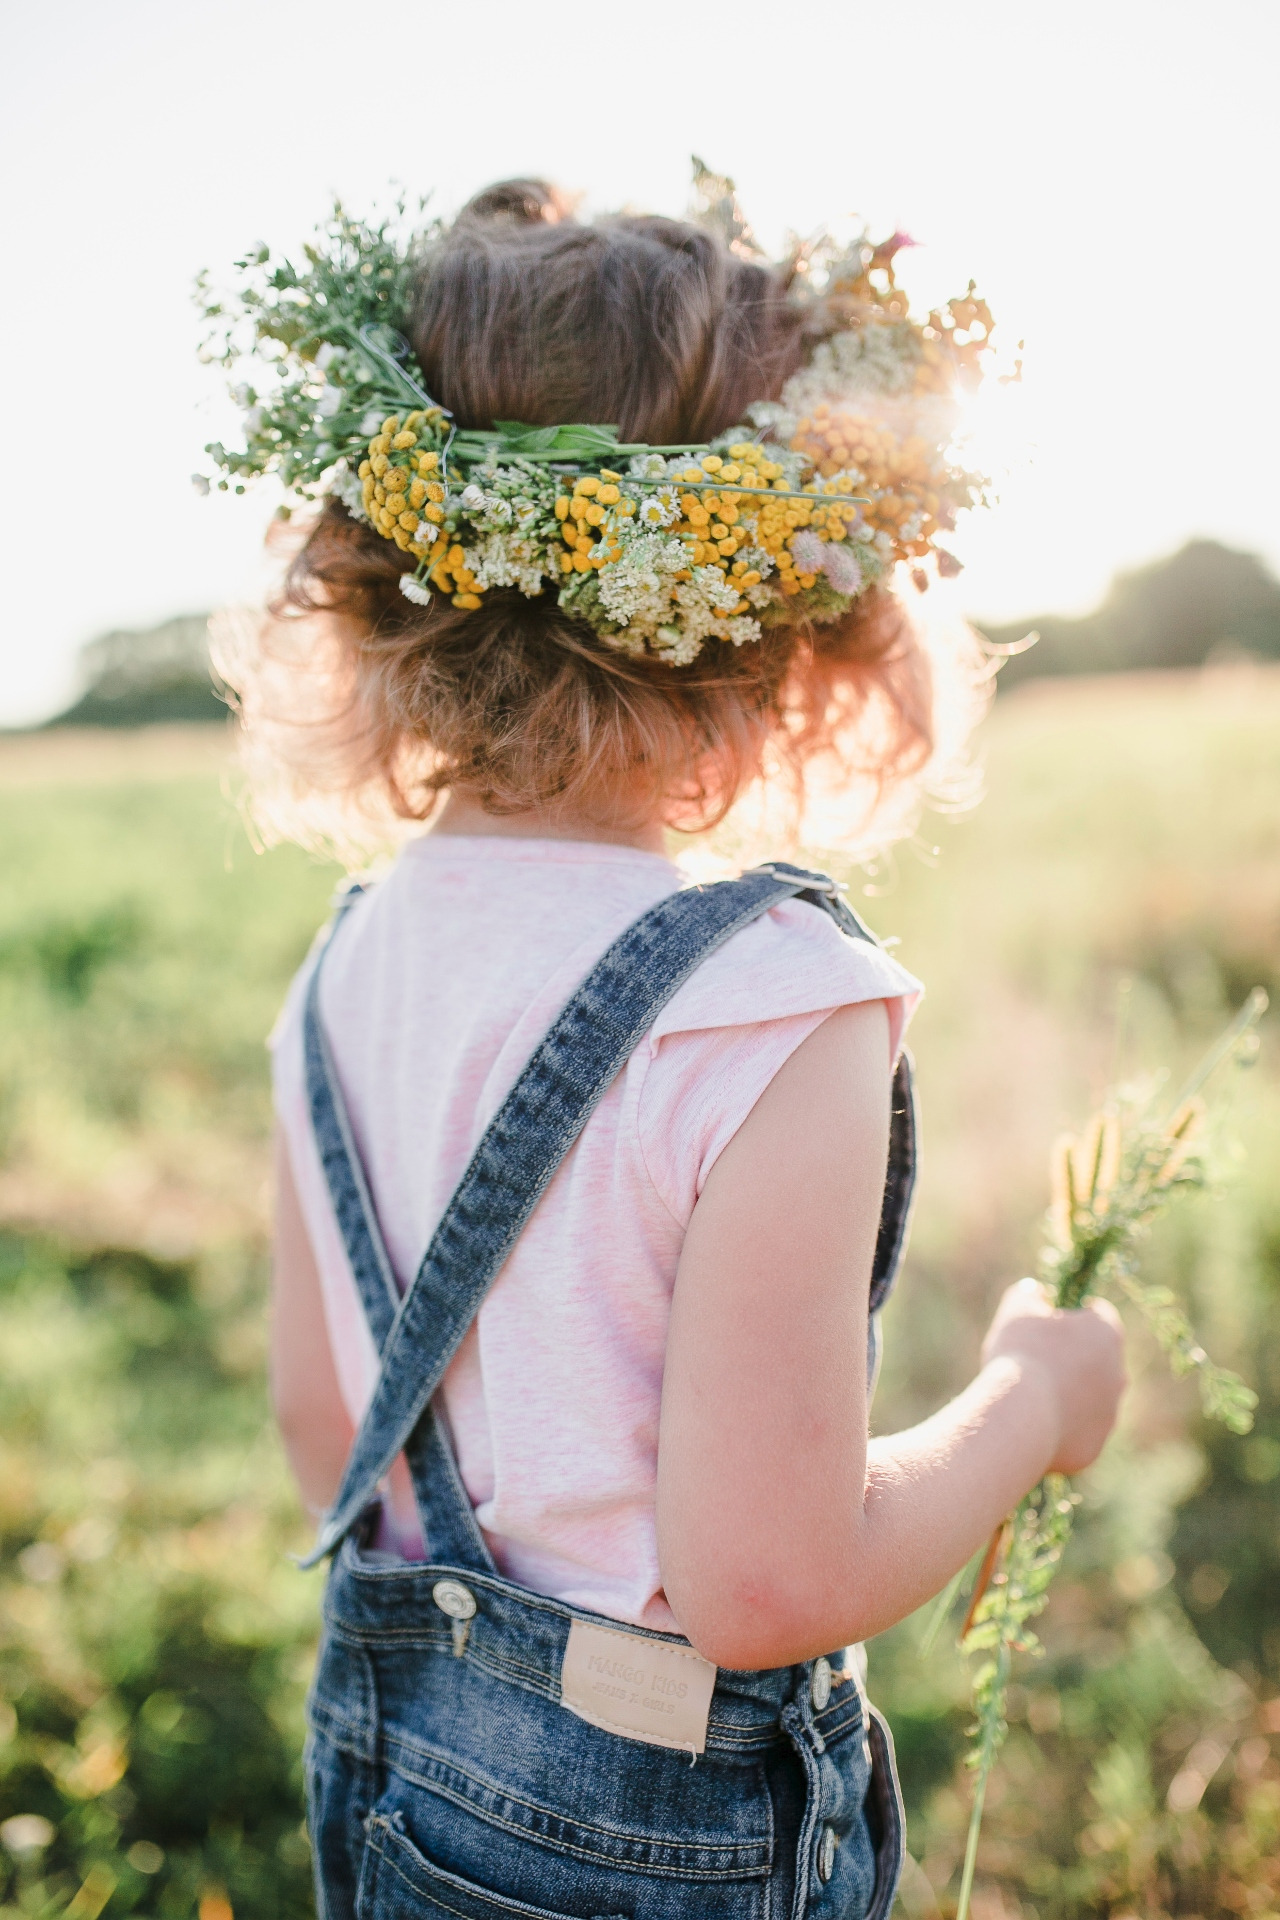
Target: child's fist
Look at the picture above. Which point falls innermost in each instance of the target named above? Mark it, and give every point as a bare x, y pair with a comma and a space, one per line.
1080, 1352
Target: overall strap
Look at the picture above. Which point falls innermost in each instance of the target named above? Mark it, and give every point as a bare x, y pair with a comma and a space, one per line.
522, 1147
340, 1159
448, 1520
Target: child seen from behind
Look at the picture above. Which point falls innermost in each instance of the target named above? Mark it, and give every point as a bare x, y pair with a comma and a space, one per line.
591, 1180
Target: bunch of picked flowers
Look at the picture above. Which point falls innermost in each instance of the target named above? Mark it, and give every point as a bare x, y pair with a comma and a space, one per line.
1108, 1186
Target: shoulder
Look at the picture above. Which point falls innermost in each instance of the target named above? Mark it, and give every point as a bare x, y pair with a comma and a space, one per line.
734, 1024
793, 960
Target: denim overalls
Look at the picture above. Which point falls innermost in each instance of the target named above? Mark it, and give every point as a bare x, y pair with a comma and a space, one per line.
446, 1775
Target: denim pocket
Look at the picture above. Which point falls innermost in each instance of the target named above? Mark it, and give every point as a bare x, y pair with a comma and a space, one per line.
397, 1882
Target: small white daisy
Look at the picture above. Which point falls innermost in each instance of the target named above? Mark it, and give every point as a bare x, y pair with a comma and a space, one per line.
659, 509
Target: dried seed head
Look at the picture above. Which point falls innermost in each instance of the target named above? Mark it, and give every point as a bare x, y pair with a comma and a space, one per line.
1062, 1202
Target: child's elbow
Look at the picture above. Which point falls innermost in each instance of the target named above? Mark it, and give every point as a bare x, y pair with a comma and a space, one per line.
754, 1618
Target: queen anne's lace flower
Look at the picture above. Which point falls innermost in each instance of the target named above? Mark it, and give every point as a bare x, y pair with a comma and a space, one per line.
502, 562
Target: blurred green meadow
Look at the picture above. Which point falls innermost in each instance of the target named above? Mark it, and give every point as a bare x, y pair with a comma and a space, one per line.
154, 1638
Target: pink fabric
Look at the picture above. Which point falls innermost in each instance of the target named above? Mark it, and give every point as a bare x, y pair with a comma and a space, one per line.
441, 983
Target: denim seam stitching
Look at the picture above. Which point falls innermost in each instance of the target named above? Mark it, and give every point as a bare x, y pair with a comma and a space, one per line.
577, 1851
481, 1894
722, 1735
588, 1827
342, 1734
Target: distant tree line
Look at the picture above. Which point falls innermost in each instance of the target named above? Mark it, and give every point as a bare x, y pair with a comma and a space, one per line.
136, 678
1204, 602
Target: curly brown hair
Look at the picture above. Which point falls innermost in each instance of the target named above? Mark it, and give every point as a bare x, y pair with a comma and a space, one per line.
657, 327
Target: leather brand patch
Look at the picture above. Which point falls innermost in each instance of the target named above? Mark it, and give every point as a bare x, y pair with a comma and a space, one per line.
650, 1690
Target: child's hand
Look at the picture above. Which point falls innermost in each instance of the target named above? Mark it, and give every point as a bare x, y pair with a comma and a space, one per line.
1081, 1353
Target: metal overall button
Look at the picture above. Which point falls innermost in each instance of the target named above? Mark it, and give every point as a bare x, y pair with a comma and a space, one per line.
820, 1683
826, 1854
460, 1604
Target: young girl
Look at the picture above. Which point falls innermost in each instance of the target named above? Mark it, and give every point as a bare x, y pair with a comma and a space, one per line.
591, 1180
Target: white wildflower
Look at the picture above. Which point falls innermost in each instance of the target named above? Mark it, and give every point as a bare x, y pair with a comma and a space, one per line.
515, 478
870, 360
200, 482
636, 588
910, 528
648, 466
719, 589
416, 590
766, 415
741, 630
473, 497
680, 651
660, 509
371, 423
327, 353
253, 420
505, 560
329, 403
347, 488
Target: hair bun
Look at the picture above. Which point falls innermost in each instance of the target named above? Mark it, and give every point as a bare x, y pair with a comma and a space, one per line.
518, 203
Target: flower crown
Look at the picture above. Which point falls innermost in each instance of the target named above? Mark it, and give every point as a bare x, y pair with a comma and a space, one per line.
790, 515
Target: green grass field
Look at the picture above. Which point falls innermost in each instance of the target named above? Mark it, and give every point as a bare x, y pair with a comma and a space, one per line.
155, 1640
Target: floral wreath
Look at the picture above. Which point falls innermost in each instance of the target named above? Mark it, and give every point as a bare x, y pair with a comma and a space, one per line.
793, 513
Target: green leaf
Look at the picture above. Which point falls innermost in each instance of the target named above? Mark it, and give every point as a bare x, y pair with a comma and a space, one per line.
548, 443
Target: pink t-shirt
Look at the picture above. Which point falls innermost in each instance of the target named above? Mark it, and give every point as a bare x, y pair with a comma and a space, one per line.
441, 982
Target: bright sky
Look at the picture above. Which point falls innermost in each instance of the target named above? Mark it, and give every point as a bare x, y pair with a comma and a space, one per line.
1105, 171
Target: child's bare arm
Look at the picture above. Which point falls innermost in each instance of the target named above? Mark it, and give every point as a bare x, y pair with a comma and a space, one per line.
782, 1534
309, 1408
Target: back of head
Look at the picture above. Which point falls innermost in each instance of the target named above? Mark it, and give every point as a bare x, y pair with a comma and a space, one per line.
649, 325
657, 328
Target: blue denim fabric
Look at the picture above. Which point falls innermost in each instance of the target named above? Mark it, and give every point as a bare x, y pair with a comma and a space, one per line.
444, 1776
